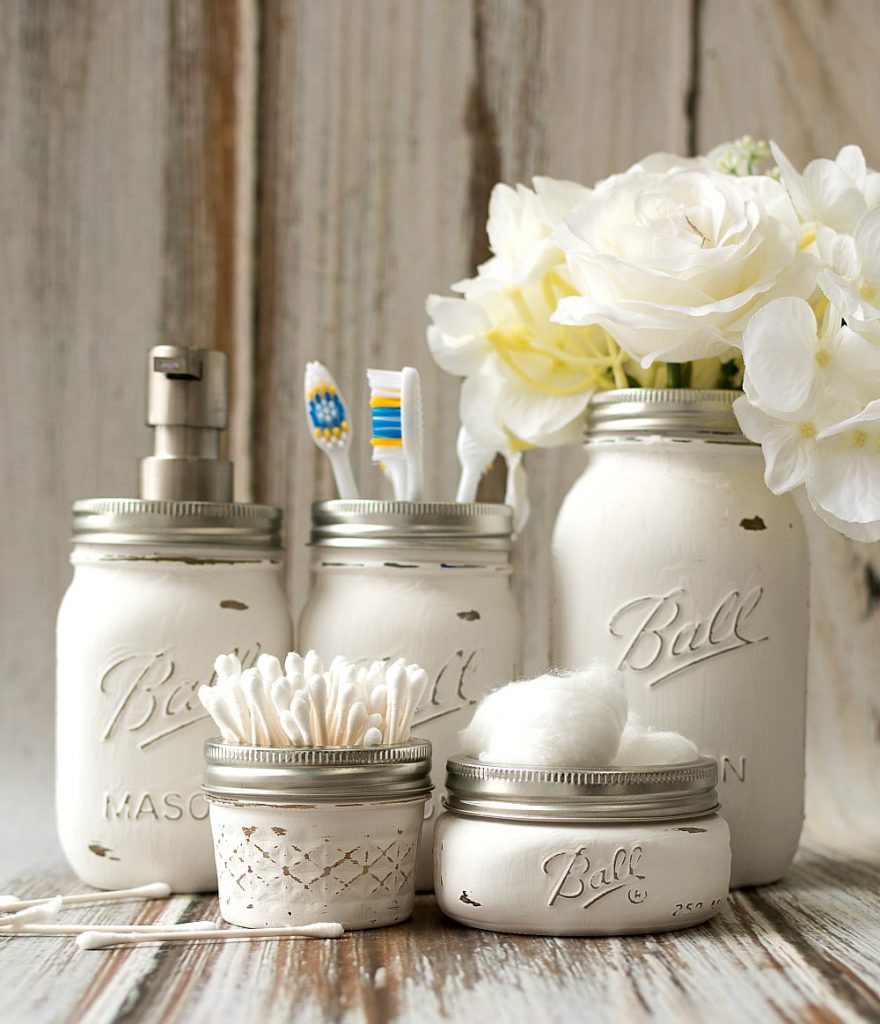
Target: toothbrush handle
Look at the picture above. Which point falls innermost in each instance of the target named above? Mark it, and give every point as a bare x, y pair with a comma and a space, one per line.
468, 484
414, 485
345, 482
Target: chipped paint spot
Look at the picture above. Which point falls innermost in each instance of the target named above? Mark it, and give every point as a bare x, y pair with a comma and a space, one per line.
249, 830
99, 850
279, 831
755, 523
472, 616
464, 898
685, 828
236, 606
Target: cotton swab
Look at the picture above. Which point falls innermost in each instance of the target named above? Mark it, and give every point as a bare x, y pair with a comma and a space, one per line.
38, 914
103, 940
396, 683
151, 891
334, 706
55, 928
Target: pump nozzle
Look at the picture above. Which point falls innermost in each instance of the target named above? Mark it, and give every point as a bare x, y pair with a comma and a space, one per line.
188, 408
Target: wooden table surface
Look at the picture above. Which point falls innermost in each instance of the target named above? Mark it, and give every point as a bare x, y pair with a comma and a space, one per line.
805, 950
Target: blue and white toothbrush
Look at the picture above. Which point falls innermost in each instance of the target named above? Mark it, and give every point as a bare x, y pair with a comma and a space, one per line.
396, 408
329, 424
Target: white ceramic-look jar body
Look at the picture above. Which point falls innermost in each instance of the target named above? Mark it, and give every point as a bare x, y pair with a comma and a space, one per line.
307, 834
448, 608
280, 866
552, 850
673, 561
548, 879
138, 631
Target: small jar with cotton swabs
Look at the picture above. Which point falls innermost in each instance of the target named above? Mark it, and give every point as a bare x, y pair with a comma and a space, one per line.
316, 790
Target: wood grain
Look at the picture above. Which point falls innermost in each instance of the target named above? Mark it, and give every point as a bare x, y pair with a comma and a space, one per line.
120, 173
383, 128
804, 950
797, 71
803, 70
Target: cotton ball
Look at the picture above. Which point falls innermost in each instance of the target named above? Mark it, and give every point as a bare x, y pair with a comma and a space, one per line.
574, 720
641, 745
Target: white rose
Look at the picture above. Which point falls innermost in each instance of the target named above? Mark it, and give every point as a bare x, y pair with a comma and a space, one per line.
673, 263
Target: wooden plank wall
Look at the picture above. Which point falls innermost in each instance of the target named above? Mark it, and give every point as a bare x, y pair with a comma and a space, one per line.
288, 178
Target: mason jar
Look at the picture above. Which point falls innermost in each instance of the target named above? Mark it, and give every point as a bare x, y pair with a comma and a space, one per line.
317, 833
564, 851
160, 588
426, 581
673, 561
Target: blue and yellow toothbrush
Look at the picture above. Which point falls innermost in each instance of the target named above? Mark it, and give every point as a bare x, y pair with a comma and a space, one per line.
330, 424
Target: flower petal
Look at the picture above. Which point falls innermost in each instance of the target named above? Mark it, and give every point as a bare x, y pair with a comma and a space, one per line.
779, 347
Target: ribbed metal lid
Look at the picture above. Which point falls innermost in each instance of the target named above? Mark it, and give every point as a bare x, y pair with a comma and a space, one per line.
683, 412
317, 774
138, 521
385, 524
481, 789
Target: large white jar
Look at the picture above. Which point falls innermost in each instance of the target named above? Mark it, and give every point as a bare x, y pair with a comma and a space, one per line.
427, 581
673, 560
160, 588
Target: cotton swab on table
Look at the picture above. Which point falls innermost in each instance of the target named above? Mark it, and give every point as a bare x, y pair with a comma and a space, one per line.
151, 891
104, 940
55, 928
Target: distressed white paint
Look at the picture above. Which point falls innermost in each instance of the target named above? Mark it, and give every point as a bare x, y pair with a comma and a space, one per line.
449, 610
348, 861
138, 632
540, 878
674, 562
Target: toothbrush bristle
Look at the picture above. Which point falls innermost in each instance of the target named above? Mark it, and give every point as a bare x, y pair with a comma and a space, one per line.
325, 406
385, 409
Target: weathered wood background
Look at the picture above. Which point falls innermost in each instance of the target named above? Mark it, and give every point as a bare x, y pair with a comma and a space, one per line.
292, 177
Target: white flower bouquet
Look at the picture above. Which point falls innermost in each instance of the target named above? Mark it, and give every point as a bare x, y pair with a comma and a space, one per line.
729, 270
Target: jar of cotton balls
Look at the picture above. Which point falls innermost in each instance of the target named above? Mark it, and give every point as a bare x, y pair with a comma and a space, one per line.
427, 581
565, 817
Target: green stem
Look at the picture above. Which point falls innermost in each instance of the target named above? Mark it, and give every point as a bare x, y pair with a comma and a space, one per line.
678, 375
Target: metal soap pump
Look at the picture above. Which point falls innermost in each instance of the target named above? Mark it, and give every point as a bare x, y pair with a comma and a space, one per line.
188, 409
163, 584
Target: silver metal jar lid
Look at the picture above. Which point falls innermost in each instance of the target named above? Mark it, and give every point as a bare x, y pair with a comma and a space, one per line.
684, 412
139, 521
385, 524
284, 775
479, 789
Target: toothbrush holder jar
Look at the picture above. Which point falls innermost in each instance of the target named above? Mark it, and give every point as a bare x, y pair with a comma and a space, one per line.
312, 834
566, 851
426, 581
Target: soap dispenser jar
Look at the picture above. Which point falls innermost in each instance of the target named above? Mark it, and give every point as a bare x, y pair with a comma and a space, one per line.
162, 584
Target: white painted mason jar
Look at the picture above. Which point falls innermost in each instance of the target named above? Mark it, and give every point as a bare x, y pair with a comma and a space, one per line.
565, 851
160, 588
673, 560
312, 834
427, 581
